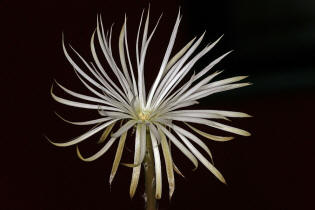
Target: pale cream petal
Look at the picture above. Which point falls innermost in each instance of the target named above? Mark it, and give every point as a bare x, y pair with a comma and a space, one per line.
210, 136
136, 170
211, 124
168, 163
202, 159
157, 165
98, 154
106, 133
180, 146
124, 128
178, 55
194, 139
135, 89
122, 53
143, 141
165, 60
118, 155
224, 81
89, 122
79, 104
177, 170
81, 96
174, 74
83, 136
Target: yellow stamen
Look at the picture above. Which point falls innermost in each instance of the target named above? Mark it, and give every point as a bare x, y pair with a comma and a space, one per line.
144, 115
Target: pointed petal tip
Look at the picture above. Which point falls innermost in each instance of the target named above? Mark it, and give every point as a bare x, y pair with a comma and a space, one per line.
131, 194
195, 169
171, 194
78, 153
229, 52
224, 182
246, 133
111, 177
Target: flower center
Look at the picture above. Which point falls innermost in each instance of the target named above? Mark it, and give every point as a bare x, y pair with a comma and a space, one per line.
144, 115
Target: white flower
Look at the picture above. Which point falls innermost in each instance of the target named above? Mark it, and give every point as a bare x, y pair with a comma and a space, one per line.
157, 111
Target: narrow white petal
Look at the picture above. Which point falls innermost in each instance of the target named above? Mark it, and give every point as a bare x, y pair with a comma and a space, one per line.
117, 115
124, 128
175, 73
89, 122
184, 70
224, 81
77, 68
108, 55
145, 31
212, 124
212, 64
210, 136
178, 55
111, 90
78, 95
157, 165
211, 111
136, 170
106, 133
91, 69
83, 136
202, 159
122, 53
155, 132
181, 147
118, 155
194, 139
137, 41
181, 105
229, 113
129, 62
143, 141
178, 171
99, 153
197, 86
210, 91
78, 104
194, 114
168, 164
165, 60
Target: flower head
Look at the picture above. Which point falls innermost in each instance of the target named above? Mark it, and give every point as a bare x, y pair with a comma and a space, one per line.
158, 112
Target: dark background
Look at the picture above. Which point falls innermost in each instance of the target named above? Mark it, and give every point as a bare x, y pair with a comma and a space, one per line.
274, 43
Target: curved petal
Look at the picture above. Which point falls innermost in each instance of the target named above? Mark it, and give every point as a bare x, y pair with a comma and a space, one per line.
193, 138
210, 136
89, 122
83, 136
202, 159
98, 154
211, 124
168, 163
106, 133
124, 128
118, 155
180, 146
157, 165
136, 170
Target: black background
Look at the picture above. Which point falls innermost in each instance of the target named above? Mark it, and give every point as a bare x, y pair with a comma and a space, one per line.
274, 43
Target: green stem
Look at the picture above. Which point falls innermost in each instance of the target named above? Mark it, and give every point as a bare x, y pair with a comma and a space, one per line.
149, 170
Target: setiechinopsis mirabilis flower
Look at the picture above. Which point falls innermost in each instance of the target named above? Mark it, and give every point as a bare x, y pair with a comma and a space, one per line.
124, 102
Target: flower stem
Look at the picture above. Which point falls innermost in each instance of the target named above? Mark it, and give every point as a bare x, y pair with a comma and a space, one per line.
149, 170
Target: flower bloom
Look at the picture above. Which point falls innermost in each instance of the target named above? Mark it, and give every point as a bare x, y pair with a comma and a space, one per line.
127, 104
